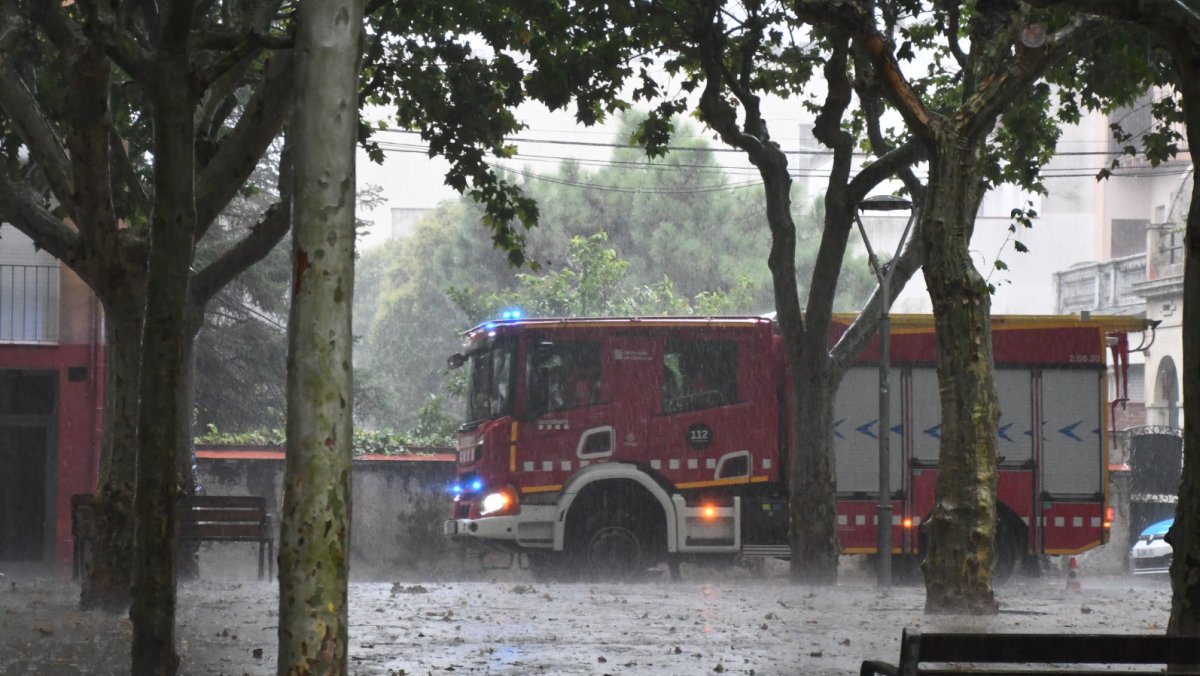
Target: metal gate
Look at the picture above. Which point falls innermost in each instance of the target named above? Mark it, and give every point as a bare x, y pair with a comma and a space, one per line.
28, 405
1156, 466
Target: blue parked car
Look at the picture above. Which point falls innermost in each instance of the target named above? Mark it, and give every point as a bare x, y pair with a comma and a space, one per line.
1151, 553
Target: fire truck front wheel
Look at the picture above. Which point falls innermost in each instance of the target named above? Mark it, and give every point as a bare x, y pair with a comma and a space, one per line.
612, 552
615, 532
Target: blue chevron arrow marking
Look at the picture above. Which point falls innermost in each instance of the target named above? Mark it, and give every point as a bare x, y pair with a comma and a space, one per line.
865, 428
898, 429
1003, 433
935, 431
1069, 430
1029, 433
836, 433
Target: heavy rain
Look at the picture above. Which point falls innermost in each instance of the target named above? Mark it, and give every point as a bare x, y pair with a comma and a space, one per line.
740, 621
591, 338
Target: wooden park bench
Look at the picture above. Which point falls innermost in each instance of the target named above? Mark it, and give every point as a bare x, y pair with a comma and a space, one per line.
202, 518
974, 653
228, 518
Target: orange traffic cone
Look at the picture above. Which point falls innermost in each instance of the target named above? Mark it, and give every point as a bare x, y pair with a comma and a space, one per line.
1073, 576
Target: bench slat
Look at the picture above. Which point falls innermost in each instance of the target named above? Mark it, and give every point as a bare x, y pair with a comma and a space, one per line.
222, 501
1042, 672
228, 515
223, 531
1059, 649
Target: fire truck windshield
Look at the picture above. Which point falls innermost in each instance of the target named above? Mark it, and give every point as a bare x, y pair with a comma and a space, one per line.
489, 381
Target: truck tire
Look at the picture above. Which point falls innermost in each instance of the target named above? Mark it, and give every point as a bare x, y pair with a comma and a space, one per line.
615, 530
611, 551
1010, 545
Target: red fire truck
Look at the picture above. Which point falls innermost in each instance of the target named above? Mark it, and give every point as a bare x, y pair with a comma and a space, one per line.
603, 446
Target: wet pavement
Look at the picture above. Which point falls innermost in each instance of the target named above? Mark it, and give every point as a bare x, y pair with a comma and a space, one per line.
735, 624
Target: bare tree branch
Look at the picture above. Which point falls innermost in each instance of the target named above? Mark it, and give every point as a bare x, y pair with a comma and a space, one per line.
249, 250
894, 161
127, 173
853, 18
955, 15
44, 144
860, 332
259, 124
979, 111
23, 209
59, 28
120, 45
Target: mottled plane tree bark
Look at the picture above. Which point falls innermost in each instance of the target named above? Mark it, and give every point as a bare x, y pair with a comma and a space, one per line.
733, 53
1175, 27
121, 123
314, 542
1184, 37
1003, 61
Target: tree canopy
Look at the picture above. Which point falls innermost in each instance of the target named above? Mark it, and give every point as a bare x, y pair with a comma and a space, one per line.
690, 240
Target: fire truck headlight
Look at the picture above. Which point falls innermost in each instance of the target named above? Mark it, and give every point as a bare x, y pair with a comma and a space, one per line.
495, 503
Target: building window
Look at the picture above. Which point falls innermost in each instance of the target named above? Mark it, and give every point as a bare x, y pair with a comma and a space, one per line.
28, 303
1128, 237
29, 290
1167, 392
1170, 243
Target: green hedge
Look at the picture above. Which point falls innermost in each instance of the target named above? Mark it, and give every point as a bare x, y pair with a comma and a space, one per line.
366, 442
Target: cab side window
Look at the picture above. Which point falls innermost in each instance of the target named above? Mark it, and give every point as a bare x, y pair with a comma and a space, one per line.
565, 375
699, 374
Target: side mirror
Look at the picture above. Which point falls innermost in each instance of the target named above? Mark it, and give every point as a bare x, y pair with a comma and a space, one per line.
456, 360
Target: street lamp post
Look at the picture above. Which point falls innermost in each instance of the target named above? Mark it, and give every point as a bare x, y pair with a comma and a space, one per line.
883, 274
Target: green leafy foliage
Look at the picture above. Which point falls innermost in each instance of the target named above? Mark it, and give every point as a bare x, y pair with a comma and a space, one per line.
594, 282
366, 442
637, 236
456, 70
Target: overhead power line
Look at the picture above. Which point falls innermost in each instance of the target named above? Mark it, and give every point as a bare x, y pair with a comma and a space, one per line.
1046, 175
625, 189
707, 149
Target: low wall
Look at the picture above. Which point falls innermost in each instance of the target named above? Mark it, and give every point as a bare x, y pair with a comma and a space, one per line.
398, 505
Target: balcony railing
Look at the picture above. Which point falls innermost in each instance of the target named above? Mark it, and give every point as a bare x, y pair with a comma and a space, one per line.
29, 304
1101, 287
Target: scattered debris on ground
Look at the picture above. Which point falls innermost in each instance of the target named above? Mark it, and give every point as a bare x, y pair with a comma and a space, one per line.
740, 625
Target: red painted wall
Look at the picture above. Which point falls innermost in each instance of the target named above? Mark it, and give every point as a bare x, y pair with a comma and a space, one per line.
78, 427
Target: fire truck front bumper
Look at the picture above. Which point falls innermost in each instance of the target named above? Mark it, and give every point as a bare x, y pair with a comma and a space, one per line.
532, 527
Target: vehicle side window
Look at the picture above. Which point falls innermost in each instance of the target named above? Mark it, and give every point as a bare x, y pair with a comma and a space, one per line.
565, 374
699, 374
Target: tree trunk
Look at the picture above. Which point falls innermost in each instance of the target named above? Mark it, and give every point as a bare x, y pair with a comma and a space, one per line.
812, 522
1185, 534
958, 576
782, 261
813, 503
172, 229
314, 548
187, 553
106, 580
